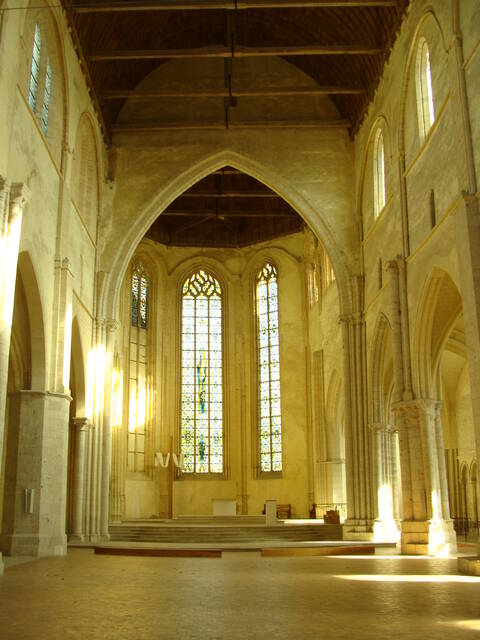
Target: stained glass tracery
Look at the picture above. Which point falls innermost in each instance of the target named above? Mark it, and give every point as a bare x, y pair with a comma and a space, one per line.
202, 394
270, 420
35, 68
140, 286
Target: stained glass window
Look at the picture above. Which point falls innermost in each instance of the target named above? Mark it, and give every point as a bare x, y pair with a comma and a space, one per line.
202, 395
46, 97
140, 286
35, 68
269, 411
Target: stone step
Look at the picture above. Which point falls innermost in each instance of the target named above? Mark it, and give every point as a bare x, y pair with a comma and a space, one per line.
211, 534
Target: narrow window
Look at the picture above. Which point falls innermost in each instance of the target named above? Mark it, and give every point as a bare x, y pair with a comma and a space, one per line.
138, 378
140, 285
201, 390
35, 68
46, 96
425, 105
378, 173
270, 416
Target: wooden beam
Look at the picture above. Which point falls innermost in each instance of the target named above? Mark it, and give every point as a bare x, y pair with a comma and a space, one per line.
239, 52
229, 194
192, 5
135, 94
230, 214
150, 127
192, 223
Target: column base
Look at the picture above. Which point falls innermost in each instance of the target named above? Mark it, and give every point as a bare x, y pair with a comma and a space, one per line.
386, 530
358, 530
469, 565
428, 537
76, 537
24, 544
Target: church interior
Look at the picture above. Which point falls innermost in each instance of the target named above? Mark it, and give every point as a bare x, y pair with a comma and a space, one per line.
240, 310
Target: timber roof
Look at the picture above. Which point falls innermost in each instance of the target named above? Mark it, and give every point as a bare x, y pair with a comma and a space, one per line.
341, 45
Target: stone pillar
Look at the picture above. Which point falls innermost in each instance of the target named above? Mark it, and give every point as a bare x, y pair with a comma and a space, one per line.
111, 327
13, 199
119, 454
359, 523
426, 525
467, 230
82, 426
36, 460
385, 527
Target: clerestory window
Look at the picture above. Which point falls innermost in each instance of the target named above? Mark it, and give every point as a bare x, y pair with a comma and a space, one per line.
425, 104
40, 82
269, 408
202, 375
35, 68
378, 173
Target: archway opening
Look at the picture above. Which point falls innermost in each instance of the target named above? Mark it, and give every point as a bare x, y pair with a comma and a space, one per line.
261, 259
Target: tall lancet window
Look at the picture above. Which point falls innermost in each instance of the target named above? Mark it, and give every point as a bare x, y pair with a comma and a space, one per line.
35, 68
425, 105
270, 417
378, 173
202, 395
138, 384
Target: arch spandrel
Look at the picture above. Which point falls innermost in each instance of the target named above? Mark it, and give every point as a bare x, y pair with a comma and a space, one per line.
140, 194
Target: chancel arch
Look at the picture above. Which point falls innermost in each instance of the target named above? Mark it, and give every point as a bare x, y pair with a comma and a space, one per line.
119, 254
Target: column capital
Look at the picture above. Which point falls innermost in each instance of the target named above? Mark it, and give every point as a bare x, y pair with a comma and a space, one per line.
378, 427
411, 410
391, 266
354, 318
19, 197
82, 423
111, 325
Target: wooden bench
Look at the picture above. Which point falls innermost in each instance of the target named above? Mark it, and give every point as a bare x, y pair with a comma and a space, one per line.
284, 511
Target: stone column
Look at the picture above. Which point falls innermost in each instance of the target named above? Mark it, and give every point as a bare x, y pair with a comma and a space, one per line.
359, 523
385, 527
13, 199
111, 327
36, 460
119, 455
82, 426
426, 525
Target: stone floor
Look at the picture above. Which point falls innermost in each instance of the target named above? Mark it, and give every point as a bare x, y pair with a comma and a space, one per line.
238, 596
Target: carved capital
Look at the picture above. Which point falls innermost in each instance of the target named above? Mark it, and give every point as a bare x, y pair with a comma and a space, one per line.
378, 427
391, 267
111, 325
19, 195
82, 423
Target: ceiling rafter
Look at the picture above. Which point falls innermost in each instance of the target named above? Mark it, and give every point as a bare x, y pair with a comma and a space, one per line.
150, 127
142, 94
198, 5
238, 52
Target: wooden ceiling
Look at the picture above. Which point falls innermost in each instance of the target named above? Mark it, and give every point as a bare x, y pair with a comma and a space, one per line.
225, 209
342, 46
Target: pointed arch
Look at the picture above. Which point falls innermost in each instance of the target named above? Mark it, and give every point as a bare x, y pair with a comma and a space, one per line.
44, 62
439, 309
85, 173
381, 338
109, 293
35, 316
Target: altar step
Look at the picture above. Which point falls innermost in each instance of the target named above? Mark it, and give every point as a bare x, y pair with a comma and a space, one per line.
213, 534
